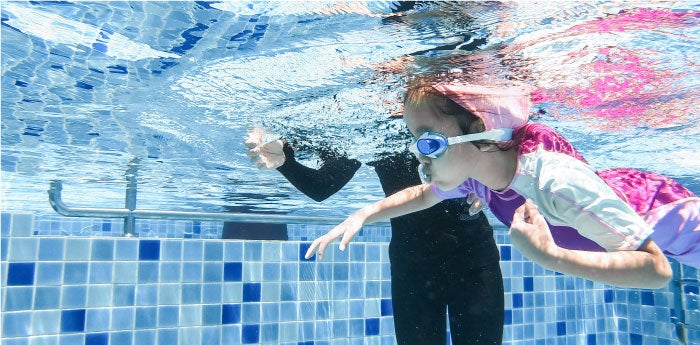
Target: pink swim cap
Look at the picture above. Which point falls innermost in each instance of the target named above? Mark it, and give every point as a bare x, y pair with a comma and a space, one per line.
497, 107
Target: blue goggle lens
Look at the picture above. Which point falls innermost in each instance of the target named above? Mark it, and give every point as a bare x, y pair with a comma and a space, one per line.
428, 146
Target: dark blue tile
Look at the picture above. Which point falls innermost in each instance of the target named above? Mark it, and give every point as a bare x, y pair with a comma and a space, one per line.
635, 339
303, 247
20, 273
149, 250
528, 284
310, 342
505, 253
372, 326
73, 320
251, 292
250, 334
230, 313
106, 225
508, 318
233, 271
386, 307
561, 328
97, 339
590, 339
647, 298
517, 300
694, 289
608, 295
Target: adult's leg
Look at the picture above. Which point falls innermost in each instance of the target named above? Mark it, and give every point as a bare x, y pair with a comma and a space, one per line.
475, 305
419, 314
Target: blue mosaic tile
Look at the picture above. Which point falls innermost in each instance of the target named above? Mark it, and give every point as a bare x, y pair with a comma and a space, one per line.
213, 272
386, 307
250, 313
170, 337
47, 297
213, 251
126, 249
102, 250
170, 272
191, 293
49, 273
211, 314
251, 292
231, 313
192, 272
211, 293
192, 251
146, 294
250, 334
148, 272
51, 249
122, 319
20, 273
120, 337
97, 319
168, 316
146, 317
18, 298
233, 271
101, 272
149, 250
73, 320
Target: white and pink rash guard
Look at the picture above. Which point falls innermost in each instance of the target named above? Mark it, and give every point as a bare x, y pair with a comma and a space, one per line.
611, 210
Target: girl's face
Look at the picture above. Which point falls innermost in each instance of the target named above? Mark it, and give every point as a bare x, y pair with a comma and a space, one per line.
452, 168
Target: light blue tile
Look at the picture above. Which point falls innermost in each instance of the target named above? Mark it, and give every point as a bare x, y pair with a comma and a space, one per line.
170, 272
15, 341
168, 316
146, 337
269, 333
213, 272
126, 249
271, 271
191, 335
18, 298
146, 317
101, 272
169, 337
72, 339
24, 249
211, 293
97, 320
51, 249
99, 296
307, 310
147, 294
192, 272
49, 273
193, 250
290, 272
213, 251
190, 315
211, 335
126, 272
288, 311
75, 273
73, 296
148, 272
22, 224
271, 312
47, 297
252, 251
6, 223
121, 338
46, 322
171, 250
271, 251
77, 249
102, 249
250, 313
191, 293
169, 294
290, 251
233, 251
16, 324
357, 308
124, 295
211, 314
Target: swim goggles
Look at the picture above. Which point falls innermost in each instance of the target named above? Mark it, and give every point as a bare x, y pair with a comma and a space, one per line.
434, 145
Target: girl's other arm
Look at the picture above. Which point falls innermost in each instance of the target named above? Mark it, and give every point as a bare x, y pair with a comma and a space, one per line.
646, 267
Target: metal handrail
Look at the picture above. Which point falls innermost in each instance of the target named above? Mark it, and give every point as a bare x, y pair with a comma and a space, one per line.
59, 206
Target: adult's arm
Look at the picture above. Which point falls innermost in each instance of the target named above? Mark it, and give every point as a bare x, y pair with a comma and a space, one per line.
318, 184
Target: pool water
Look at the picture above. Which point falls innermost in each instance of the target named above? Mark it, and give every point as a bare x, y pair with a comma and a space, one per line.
91, 90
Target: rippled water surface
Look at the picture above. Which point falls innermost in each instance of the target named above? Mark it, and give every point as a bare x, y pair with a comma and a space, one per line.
89, 89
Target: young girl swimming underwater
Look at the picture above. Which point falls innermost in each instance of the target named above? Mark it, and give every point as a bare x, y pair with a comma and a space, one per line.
615, 226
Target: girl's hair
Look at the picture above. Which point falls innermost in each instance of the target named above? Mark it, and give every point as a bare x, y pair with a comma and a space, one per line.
420, 93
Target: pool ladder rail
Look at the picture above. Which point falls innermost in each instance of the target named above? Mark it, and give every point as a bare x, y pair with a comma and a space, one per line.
130, 213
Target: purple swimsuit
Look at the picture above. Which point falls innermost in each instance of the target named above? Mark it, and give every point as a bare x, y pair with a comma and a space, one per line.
616, 209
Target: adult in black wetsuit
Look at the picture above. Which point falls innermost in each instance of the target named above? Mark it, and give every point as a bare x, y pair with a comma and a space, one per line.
439, 263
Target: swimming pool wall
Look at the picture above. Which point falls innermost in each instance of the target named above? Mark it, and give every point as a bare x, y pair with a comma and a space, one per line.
77, 281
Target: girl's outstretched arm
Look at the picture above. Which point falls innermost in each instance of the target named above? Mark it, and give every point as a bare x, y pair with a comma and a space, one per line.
407, 201
646, 267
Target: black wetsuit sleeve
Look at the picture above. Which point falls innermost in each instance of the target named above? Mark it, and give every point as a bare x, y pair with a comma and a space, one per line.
322, 183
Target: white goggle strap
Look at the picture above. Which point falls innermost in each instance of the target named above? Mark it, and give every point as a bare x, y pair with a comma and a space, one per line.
500, 134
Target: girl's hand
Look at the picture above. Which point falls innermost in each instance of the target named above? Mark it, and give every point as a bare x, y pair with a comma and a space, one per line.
347, 229
476, 204
530, 233
264, 156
